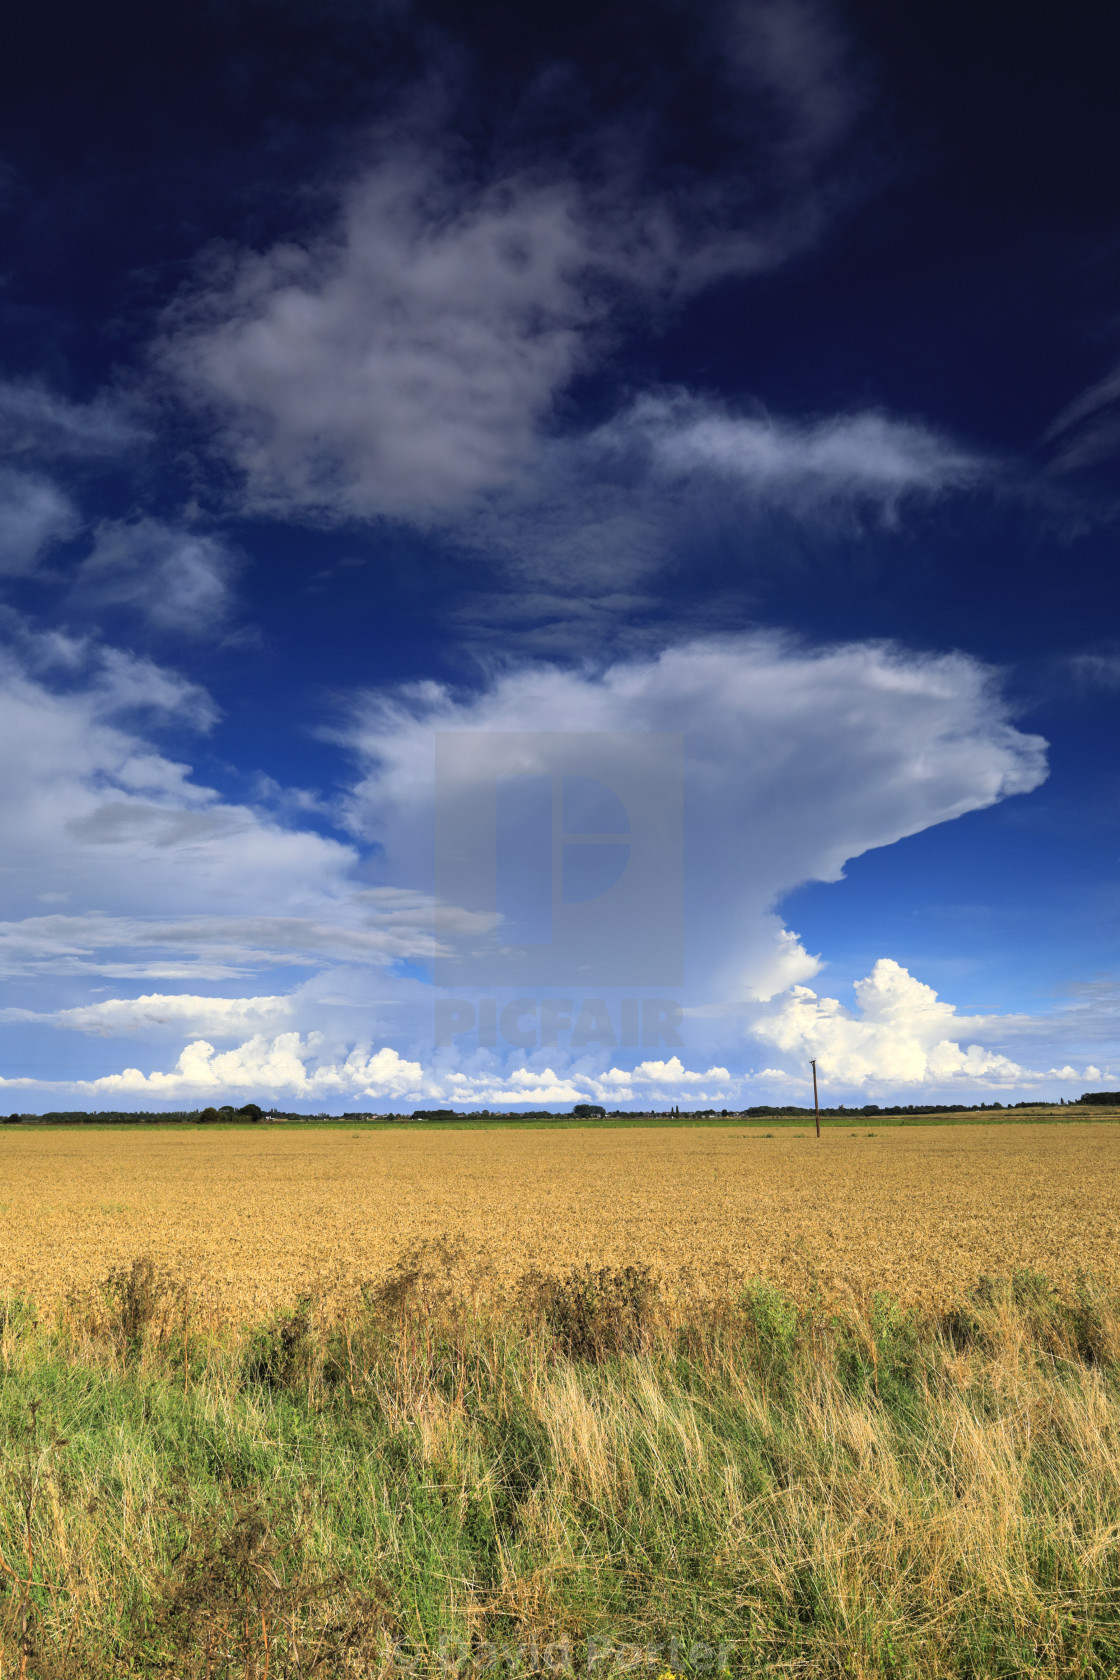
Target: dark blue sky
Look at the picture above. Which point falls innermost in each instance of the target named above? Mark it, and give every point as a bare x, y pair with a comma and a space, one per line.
748, 370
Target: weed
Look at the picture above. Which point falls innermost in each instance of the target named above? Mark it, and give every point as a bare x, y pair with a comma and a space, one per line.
280, 1353
134, 1298
241, 1599
595, 1312
772, 1325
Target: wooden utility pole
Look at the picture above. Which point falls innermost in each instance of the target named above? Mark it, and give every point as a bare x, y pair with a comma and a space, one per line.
816, 1101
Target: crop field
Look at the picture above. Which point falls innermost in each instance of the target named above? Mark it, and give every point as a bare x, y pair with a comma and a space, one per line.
253, 1218
202, 1474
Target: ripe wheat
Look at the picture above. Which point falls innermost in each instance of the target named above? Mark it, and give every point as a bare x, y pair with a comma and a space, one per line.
253, 1219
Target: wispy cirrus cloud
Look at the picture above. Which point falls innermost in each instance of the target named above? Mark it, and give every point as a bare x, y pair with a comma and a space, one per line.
35, 513
179, 1012
175, 578
1087, 431
864, 458
38, 422
169, 573
581, 549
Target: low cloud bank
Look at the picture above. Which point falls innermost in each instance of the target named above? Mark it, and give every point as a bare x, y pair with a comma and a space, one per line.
905, 1044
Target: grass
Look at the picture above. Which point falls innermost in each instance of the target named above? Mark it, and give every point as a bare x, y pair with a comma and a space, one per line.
751, 1485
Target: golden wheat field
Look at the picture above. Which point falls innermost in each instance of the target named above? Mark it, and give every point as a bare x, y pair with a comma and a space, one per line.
255, 1217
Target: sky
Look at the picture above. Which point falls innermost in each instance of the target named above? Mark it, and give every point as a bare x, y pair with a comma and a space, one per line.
558, 555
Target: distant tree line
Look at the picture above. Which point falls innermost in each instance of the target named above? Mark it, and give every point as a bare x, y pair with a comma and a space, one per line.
871, 1109
139, 1117
250, 1113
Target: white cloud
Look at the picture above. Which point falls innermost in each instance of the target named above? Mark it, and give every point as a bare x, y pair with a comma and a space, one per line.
671, 476
273, 1067
411, 363
846, 458
177, 579
672, 1073
355, 925
793, 48
119, 864
34, 513
903, 1036
1088, 429
260, 1064
404, 363
305, 1068
652, 1084
797, 760
159, 876
896, 1046
35, 421
1096, 668
907, 1040
409, 358
215, 1017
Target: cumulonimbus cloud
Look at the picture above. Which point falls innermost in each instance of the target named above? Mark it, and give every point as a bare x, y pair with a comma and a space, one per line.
797, 760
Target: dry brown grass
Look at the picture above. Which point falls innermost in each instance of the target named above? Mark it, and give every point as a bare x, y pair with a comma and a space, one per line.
254, 1218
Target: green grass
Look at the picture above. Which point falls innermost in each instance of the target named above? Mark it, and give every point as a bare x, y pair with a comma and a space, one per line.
752, 1486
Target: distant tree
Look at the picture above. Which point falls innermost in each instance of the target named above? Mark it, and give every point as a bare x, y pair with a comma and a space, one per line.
250, 1111
588, 1111
210, 1114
